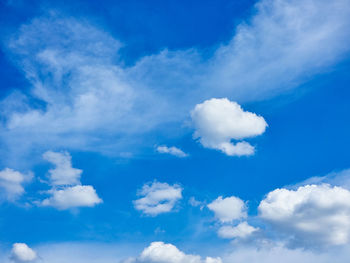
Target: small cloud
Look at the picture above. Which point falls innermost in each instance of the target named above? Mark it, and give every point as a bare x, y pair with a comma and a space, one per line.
158, 198
172, 150
11, 183
242, 230
230, 212
228, 209
193, 202
63, 173
71, 197
218, 121
22, 253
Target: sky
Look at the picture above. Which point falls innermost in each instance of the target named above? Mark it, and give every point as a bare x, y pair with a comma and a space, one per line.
174, 131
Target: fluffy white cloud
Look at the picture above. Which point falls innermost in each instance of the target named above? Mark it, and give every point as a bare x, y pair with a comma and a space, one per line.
218, 121
90, 98
171, 150
67, 191
64, 173
242, 230
70, 197
228, 209
311, 215
22, 253
159, 252
11, 183
158, 198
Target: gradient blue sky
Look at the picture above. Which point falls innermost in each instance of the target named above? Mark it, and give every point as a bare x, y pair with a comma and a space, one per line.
291, 68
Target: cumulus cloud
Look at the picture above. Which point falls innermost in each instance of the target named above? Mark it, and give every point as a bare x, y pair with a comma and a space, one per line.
67, 191
22, 253
228, 209
88, 97
158, 198
171, 150
242, 230
230, 212
159, 252
311, 215
11, 183
63, 173
218, 121
70, 197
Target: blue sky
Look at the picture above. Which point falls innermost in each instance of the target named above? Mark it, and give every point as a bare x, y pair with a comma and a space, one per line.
172, 132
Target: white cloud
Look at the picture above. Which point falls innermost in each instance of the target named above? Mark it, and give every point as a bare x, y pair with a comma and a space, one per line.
159, 252
242, 230
311, 215
64, 173
158, 198
88, 98
11, 183
277, 253
171, 150
22, 253
67, 191
228, 209
70, 197
194, 202
284, 44
218, 121
112, 253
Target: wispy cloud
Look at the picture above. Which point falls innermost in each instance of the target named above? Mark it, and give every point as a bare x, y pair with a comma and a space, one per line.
12, 184
84, 97
172, 151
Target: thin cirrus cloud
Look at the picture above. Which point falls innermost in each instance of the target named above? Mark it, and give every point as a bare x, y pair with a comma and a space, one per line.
218, 121
157, 198
172, 151
67, 192
21, 253
90, 97
12, 184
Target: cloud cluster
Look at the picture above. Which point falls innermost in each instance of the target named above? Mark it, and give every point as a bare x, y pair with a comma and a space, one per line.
229, 211
312, 215
172, 150
67, 191
84, 97
21, 253
11, 184
218, 121
157, 198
